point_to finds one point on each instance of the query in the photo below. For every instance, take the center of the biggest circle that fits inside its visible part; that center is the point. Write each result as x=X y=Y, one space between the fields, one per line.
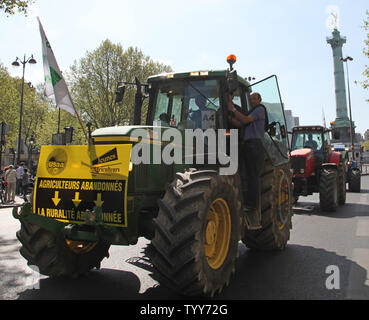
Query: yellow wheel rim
x=284 y=202
x=217 y=233
x=80 y=247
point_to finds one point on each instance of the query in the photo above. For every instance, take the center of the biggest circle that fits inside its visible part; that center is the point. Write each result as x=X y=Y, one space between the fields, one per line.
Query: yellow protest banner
x=73 y=179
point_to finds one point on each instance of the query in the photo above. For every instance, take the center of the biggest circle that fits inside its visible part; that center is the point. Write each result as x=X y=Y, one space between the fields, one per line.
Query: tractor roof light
x=231 y=59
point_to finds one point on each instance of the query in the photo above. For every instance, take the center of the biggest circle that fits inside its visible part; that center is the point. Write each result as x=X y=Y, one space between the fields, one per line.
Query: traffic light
x=120 y=94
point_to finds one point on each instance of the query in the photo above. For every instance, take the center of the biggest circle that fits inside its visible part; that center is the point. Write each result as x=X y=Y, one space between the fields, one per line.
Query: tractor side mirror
x=336 y=135
x=283 y=131
x=232 y=81
x=69 y=134
x=138 y=103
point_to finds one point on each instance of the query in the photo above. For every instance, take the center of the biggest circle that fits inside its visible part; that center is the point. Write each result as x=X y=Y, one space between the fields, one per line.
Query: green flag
x=55 y=85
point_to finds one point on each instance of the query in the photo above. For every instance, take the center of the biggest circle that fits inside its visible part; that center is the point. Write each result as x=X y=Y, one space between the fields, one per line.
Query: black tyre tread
x=355 y=182
x=341 y=184
x=270 y=237
x=328 y=186
x=52 y=256
x=176 y=251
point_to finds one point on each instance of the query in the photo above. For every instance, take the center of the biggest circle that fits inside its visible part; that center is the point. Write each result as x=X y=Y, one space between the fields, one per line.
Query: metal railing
x=364 y=168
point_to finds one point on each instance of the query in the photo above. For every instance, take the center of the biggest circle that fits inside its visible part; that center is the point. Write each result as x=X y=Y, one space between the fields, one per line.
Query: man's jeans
x=252 y=161
x=18 y=189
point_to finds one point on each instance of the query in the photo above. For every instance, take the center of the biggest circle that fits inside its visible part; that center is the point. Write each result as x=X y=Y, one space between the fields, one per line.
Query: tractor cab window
x=304 y=139
x=186 y=104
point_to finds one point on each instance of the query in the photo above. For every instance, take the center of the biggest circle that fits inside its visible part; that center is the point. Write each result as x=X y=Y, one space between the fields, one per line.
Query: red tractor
x=317 y=167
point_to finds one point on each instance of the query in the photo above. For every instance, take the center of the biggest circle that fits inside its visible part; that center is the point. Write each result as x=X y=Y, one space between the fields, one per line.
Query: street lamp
x=348 y=58
x=30 y=60
x=32 y=141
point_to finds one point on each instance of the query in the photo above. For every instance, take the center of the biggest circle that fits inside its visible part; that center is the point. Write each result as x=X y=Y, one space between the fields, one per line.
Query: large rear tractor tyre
x=55 y=256
x=276 y=210
x=328 y=190
x=355 y=181
x=197 y=233
x=341 y=185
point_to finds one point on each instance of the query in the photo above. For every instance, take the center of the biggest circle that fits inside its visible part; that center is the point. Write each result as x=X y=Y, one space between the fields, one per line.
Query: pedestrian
x=11 y=179
x=25 y=181
x=20 y=172
x=5 y=184
x=252 y=155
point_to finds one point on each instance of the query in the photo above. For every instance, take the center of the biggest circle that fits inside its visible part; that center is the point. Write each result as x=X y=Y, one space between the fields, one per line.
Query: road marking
x=362 y=257
x=358 y=280
x=362 y=228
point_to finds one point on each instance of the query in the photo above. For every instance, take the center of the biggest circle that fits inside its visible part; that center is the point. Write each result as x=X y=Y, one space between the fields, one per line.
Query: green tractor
x=117 y=188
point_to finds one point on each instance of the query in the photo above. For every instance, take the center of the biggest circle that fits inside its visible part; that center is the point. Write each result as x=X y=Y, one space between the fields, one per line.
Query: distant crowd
x=15 y=181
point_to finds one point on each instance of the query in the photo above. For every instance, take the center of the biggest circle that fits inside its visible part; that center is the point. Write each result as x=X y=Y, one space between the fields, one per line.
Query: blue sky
x=282 y=37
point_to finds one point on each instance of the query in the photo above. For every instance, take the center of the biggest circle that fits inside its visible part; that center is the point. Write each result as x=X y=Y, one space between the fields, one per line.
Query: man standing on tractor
x=252 y=155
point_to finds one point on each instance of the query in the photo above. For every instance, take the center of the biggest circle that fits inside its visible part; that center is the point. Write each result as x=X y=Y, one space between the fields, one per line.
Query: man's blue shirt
x=256 y=129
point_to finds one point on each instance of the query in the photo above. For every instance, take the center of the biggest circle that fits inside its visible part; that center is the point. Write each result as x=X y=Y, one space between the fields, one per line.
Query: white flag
x=56 y=87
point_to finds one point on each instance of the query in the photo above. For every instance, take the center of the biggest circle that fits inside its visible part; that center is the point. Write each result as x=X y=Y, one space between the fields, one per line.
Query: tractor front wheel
x=355 y=181
x=328 y=190
x=341 y=185
x=55 y=256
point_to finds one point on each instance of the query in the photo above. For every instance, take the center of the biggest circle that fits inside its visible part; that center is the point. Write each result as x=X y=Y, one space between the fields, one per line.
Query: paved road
x=339 y=242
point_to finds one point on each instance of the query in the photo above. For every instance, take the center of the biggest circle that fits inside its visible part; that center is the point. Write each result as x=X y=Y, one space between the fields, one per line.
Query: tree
x=95 y=77
x=9 y=104
x=11 y=6
x=365 y=83
x=35 y=112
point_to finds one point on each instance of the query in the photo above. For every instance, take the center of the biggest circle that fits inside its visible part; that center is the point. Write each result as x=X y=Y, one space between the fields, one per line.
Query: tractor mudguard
x=330 y=166
x=335 y=158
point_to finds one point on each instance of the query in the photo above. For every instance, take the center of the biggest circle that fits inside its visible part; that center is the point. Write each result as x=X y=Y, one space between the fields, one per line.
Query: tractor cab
x=315 y=138
x=199 y=100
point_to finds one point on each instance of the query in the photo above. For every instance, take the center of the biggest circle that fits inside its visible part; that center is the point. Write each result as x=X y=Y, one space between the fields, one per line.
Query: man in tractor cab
x=311 y=143
x=196 y=116
x=252 y=155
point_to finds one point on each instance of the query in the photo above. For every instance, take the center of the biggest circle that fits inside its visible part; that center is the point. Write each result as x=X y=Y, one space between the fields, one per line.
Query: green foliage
x=9 y=103
x=11 y=6
x=365 y=144
x=365 y=83
x=94 y=82
x=35 y=110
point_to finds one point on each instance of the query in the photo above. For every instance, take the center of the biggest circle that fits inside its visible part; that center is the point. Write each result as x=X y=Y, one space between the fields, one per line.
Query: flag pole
x=79 y=119
x=59 y=121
